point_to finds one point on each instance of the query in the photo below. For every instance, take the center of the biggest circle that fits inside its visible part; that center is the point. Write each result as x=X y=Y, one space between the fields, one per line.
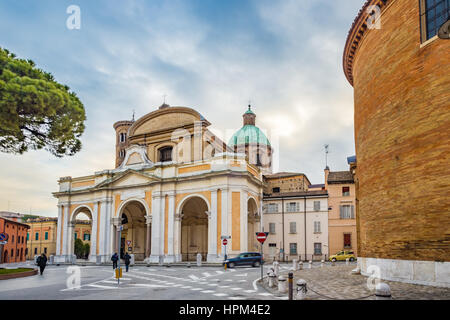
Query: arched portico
x=71 y=228
x=135 y=237
x=253 y=224
x=193 y=227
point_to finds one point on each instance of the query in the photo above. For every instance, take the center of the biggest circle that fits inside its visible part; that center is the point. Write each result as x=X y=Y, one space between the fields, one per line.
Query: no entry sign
x=261 y=236
x=225 y=242
x=3 y=237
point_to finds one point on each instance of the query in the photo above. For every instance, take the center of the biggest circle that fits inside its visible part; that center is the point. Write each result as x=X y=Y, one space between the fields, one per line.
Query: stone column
x=156 y=228
x=148 y=242
x=93 y=252
x=65 y=231
x=177 y=237
x=225 y=214
x=58 y=231
x=212 y=229
x=115 y=222
x=170 y=258
x=244 y=221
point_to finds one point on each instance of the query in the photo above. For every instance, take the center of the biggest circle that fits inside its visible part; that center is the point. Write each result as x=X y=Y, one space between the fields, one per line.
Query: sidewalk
x=26 y=264
x=337 y=283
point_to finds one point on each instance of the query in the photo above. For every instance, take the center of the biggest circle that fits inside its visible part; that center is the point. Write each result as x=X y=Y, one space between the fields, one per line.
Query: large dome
x=249 y=134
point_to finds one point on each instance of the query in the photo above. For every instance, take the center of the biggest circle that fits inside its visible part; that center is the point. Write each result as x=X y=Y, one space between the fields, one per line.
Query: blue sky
x=214 y=56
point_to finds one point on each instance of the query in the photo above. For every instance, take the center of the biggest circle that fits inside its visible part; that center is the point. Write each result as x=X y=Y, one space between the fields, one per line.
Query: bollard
x=346 y=261
x=383 y=291
x=272 y=277
x=356 y=271
x=322 y=263
x=333 y=263
x=199 y=260
x=290 y=285
x=276 y=268
x=301 y=289
x=282 y=284
x=294 y=264
x=310 y=264
x=300 y=265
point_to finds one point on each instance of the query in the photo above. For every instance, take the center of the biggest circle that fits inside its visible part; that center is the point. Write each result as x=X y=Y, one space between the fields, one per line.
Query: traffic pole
x=290 y=283
x=261 y=262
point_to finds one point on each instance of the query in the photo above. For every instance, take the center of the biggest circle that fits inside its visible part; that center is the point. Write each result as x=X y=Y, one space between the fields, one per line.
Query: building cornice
x=357 y=31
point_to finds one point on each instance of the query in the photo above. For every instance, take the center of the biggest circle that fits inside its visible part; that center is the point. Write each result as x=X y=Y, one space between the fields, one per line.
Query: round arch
x=194 y=227
x=186 y=198
x=126 y=202
x=134 y=237
x=87 y=210
x=253 y=221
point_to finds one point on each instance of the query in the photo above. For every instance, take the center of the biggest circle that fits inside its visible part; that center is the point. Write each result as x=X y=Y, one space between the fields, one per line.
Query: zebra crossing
x=232 y=284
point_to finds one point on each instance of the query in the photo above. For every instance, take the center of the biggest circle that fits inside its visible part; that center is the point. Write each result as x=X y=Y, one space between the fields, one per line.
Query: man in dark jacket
x=114 y=259
x=127 y=258
x=42 y=262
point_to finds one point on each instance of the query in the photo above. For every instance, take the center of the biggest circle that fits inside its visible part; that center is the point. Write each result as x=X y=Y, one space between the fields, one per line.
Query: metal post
x=290 y=282
x=118 y=262
x=261 y=261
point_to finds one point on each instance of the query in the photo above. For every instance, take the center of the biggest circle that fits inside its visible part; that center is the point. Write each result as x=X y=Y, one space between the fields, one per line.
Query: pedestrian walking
x=42 y=262
x=127 y=258
x=114 y=259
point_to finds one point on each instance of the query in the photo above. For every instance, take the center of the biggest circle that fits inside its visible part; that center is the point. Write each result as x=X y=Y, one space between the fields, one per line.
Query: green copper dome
x=248 y=134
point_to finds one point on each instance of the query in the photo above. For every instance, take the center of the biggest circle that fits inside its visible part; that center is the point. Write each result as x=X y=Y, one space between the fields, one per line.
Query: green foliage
x=87 y=249
x=36 y=111
x=79 y=248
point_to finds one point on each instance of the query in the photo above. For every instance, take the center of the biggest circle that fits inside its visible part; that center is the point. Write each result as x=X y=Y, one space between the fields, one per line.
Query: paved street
x=141 y=282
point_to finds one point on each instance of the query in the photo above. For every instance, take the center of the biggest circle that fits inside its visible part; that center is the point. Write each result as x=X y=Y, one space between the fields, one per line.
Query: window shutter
x=353 y=212
x=341 y=212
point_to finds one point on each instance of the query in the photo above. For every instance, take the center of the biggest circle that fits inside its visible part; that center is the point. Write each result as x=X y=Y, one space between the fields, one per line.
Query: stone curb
x=19 y=275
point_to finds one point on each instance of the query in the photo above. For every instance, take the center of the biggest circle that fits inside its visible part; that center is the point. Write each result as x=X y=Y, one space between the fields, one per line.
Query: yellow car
x=343 y=255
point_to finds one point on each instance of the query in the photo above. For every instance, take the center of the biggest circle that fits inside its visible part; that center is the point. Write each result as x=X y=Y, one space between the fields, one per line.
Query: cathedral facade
x=177 y=189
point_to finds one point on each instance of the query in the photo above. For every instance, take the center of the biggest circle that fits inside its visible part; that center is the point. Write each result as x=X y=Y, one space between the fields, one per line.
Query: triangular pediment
x=129 y=178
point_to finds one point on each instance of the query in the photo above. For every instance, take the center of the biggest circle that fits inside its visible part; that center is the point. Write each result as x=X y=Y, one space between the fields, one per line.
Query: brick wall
x=402 y=132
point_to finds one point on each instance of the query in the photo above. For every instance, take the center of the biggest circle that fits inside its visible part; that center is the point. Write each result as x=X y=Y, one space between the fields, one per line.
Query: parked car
x=247 y=258
x=343 y=255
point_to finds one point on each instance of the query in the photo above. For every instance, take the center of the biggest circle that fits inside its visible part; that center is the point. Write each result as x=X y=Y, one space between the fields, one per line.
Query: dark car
x=247 y=258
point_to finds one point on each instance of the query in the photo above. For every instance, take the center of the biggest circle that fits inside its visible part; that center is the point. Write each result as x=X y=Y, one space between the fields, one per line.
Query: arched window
x=124 y=218
x=165 y=154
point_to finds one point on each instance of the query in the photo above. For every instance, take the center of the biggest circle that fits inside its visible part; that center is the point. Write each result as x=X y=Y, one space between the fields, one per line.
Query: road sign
x=3 y=236
x=225 y=242
x=225 y=237
x=120 y=228
x=129 y=243
x=3 y=242
x=261 y=236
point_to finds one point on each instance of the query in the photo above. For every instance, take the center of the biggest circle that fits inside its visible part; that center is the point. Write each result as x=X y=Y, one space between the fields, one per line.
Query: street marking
x=242 y=280
x=193 y=277
x=99 y=286
x=266 y=294
x=242 y=275
x=220 y=294
x=236 y=298
x=213 y=284
x=249 y=291
x=224 y=286
x=219 y=272
x=229 y=280
x=206 y=274
x=148 y=285
x=208 y=291
x=236 y=289
x=186 y=287
x=196 y=289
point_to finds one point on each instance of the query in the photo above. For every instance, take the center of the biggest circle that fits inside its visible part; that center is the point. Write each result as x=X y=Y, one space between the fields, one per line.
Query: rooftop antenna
x=326 y=155
x=165 y=96
x=133 y=116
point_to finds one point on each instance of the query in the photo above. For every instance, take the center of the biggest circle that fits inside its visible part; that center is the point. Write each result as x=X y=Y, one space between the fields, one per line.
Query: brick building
x=43 y=233
x=15 y=248
x=341 y=210
x=400 y=76
x=295 y=217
